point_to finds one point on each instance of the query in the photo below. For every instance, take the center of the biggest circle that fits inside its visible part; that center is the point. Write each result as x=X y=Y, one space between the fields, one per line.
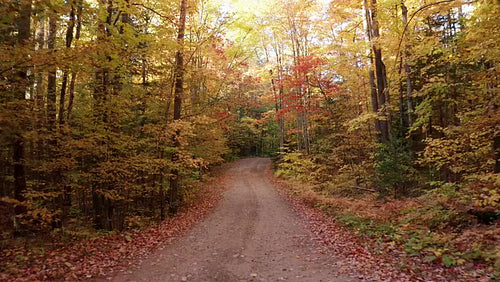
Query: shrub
x=394 y=173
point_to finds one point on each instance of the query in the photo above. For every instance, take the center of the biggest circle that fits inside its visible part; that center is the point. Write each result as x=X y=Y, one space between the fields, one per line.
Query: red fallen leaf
x=342 y=242
x=104 y=255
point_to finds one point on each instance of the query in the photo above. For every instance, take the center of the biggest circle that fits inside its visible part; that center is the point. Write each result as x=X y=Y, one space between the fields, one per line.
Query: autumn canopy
x=113 y=111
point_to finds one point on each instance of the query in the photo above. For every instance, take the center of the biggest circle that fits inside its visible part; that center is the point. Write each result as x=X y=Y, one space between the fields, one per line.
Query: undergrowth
x=438 y=227
x=20 y=253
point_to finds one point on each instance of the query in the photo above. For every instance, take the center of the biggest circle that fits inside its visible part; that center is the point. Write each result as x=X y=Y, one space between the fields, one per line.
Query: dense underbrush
x=80 y=251
x=447 y=224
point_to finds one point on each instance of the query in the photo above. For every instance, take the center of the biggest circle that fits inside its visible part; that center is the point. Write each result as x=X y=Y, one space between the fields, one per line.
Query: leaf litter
x=354 y=254
x=106 y=255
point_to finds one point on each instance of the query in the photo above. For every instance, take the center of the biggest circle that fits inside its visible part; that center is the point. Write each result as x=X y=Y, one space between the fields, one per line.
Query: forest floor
x=261 y=231
x=104 y=255
x=253 y=235
x=244 y=226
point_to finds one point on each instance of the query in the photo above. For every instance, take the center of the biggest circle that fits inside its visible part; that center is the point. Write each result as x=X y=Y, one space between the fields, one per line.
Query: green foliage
x=393 y=167
x=243 y=137
x=252 y=134
x=369 y=228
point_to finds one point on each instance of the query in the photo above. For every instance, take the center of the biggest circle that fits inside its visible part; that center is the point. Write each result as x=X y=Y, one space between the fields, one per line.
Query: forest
x=382 y=114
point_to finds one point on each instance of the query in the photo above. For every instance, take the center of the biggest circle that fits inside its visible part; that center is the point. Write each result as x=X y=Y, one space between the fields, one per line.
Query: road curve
x=253 y=235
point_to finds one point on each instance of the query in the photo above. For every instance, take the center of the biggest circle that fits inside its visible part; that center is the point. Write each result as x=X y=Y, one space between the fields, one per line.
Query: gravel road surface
x=253 y=235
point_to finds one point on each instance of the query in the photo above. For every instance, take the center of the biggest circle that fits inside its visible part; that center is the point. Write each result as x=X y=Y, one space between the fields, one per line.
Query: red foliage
x=308 y=64
x=306 y=87
x=223 y=115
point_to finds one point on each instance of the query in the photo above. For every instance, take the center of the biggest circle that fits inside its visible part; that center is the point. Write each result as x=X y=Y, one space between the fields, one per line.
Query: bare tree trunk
x=371 y=73
x=51 y=81
x=39 y=76
x=298 y=89
x=101 y=115
x=39 y=105
x=51 y=115
x=23 y=26
x=381 y=88
x=174 y=193
x=69 y=40
x=73 y=74
x=71 y=95
x=401 y=100
x=299 y=131
x=381 y=76
x=280 y=102
x=66 y=193
x=409 y=98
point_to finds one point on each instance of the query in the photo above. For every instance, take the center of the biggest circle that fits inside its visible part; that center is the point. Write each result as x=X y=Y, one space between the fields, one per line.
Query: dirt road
x=252 y=236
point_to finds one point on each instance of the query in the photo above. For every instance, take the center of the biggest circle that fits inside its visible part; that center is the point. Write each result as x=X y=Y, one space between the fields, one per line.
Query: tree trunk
x=71 y=96
x=305 y=132
x=381 y=88
x=161 y=193
x=401 y=100
x=299 y=131
x=38 y=99
x=66 y=193
x=73 y=74
x=409 y=98
x=23 y=26
x=101 y=114
x=64 y=85
x=277 y=108
x=280 y=103
x=381 y=76
x=374 y=98
x=371 y=73
x=305 y=123
x=496 y=150
x=51 y=81
x=97 y=208
x=173 y=192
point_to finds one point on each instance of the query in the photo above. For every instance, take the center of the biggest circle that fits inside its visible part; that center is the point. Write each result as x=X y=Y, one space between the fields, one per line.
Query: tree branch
x=409 y=21
x=170 y=19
